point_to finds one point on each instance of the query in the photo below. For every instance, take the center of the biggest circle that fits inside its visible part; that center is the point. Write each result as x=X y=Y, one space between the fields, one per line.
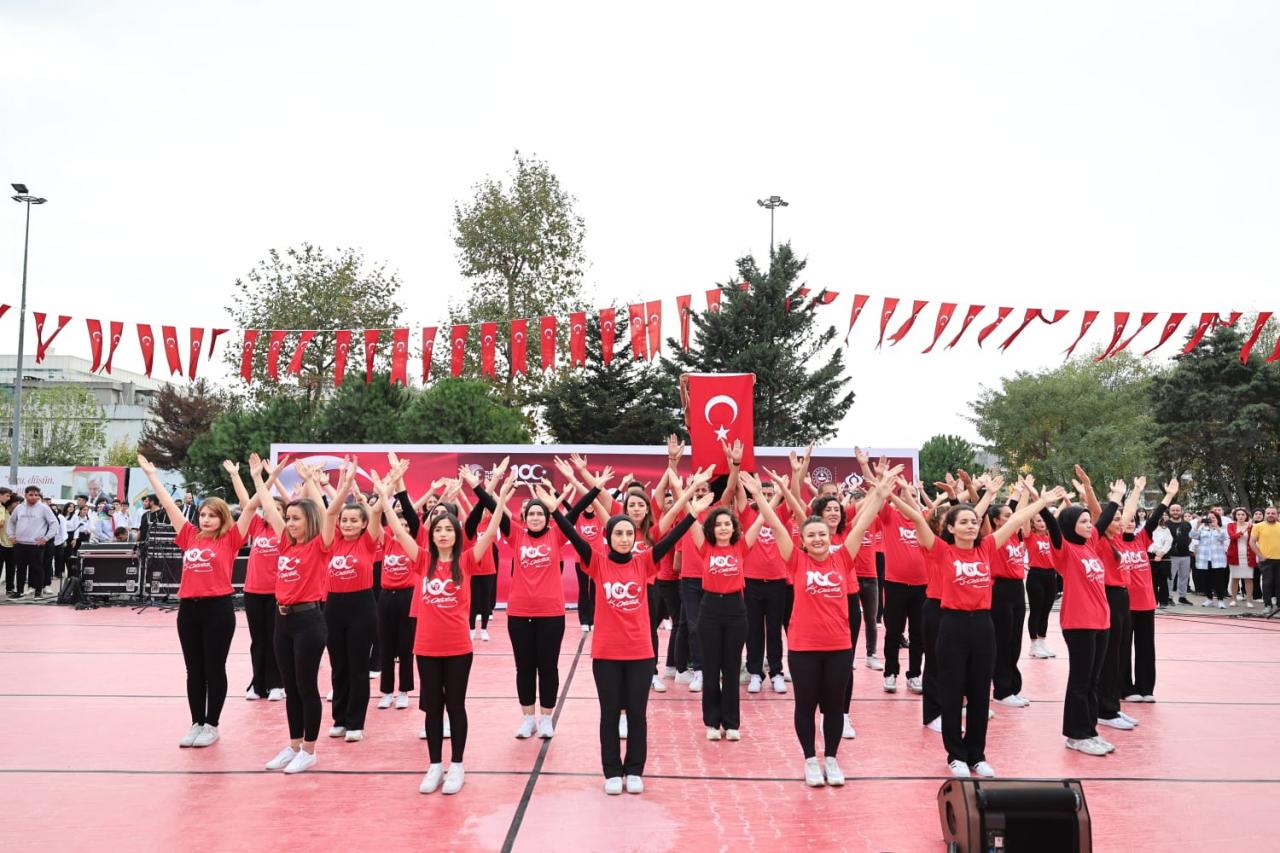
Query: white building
x=126 y=397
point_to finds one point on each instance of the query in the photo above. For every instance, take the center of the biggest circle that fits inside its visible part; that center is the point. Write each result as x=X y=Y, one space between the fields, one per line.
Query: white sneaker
x=281 y=761
x=1133 y=697
x=1232 y=602
x=695 y=683
x=432 y=780
x=1222 y=605
x=355 y=735
x=875 y=662
x=302 y=761
x=207 y=737
x=454 y=778
x=835 y=776
x=1208 y=602
x=1107 y=745
x=402 y=700
x=685 y=677
x=1130 y=720
x=1116 y=723
x=1012 y=701
x=779 y=684
x=251 y=694
x=622 y=727
x=743 y=675
x=665 y=625
x=586 y=629
x=934 y=725
x=545 y=728
x=276 y=694
x=891 y=684
x=813 y=773
x=915 y=685
x=658 y=685
x=959 y=769
x=1023 y=699
x=375 y=673
x=713 y=734
x=385 y=702
x=1148 y=698
x=732 y=734
x=635 y=785
x=484 y=635
x=527 y=727
x=189 y=739
x=985 y=770
x=328 y=697
x=613 y=785
x=1088 y=746
x=445 y=731
x=422 y=734
x=474 y=631
x=671 y=672
x=848 y=733
x=337 y=731
x=753 y=686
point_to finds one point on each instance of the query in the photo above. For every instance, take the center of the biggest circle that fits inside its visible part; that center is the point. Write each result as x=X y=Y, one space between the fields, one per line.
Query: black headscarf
x=1067 y=519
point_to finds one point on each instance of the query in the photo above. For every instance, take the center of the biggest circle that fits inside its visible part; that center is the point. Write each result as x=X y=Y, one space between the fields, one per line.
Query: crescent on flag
x=721 y=400
x=577 y=327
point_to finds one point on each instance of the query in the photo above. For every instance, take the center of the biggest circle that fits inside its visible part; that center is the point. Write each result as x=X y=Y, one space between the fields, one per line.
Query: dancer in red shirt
x=395 y=625
x=1009 y=601
x=1042 y=587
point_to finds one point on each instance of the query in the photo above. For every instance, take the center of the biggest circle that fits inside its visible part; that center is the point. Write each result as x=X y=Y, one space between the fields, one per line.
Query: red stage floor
x=92 y=707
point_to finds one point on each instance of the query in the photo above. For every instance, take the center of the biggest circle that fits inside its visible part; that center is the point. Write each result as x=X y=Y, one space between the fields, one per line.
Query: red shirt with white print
x=691 y=562
x=1010 y=560
x=621 y=630
x=442 y=607
x=536 y=589
x=820 y=615
x=397 y=568
x=1084 y=590
x=764 y=563
x=351 y=563
x=723 y=566
x=864 y=563
x=207 y=561
x=903 y=558
x=1039 y=550
x=264 y=552
x=302 y=571
x=964 y=574
x=1135 y=561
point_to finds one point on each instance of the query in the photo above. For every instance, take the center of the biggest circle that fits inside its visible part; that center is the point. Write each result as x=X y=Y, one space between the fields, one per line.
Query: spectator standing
x=1241 y=561
x=102 y=529
x=1264 y=539
x=30 y=525
x=1211 y=560
x=7 y=564
x=1179 y=554
x=190 y=511
x=1161 y=542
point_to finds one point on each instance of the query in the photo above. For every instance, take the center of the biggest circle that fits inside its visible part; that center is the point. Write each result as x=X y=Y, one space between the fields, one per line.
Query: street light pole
x=23 y=197
x=771 y=203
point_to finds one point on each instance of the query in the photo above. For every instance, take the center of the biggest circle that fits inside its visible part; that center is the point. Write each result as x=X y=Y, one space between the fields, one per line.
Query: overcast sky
x=1116 y=156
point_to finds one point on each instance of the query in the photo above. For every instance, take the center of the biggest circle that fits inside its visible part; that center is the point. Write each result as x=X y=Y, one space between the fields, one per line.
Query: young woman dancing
x=1009 y=600
x=1138 y=674
x=1042 y=587
x=395 y=625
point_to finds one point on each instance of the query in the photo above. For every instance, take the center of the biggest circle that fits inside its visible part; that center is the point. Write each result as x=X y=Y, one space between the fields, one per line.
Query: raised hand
x=230 y=467
x=579 y=461
x=861 y=456
x=468 y=476
x=1082 y=476
x=1116 y=493
x=733 y=454
x=675 y=449
x=565 y=469
x=145 y=465
x=703 y=476
x=1139 y=484
x=257 y=465
x=1054 y=495
x=1171 y=488
x=500 y=469
x=698 y=506
x=508 y=485
x=750 y=482
x=796 y=464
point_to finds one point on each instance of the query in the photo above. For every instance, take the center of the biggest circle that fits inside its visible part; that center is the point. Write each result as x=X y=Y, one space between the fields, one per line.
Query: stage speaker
x=1014 y=816
x=109 y=569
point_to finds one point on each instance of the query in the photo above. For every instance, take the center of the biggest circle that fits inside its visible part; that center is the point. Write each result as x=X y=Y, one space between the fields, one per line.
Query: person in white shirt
x=1161 y=543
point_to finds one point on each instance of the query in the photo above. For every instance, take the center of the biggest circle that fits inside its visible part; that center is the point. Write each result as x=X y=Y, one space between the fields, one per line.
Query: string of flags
x=644 y=320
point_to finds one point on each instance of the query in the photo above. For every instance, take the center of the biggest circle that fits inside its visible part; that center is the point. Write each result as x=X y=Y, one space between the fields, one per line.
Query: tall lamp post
x=771 y=203
x=22 y=197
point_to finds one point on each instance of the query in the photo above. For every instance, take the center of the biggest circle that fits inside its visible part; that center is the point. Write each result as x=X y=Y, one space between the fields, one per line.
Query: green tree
x=756 y=332
x=461 y=411
x=1217 y=419
x=1093 y=413
x=309 y=288
x=234 y=434
x=520 y=249
x=359 y=413
x=121 y=453
x=943 y=454
x=180 y=415
x=62 y=424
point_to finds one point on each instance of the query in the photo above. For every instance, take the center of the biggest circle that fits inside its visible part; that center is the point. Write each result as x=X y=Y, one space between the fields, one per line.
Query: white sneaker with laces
x=207 y=737
x=527 y=727
x=546 y=729
x=779 y=684
x=985 y=770
x=422 y=735
x=959 y=769
x=402 y=700
x=328 y=697
x=1023 y=699
x=1088 y=746
x=753 y=686
x=453 y=778
x=613 y=785
x=251 y=694
x=813 y=773
x=1222 y=605
x=671 y=672
x=1105 y=744
x=835 y=776
x=695 y=683
x=189 y=739
x=622 y=727
x=875 y=662
x=302 y=761
x=337 y=731
x=891 y=684
x=484 y=635
x=1010 y=700
x=915 y=685
x=281 y=761
x=1133 y=697
x=848 y=733
x=445 y=731
x=1130 y=720
x=431 y=781
x=1116 y=723
x=732 y=734
x=1208 y=602
x=276 y=694
x=635 y=785
x=385 y=702
x=713 y=734
x=685 y=677
x=934 y=725
x=355 y=735
x=658 y=685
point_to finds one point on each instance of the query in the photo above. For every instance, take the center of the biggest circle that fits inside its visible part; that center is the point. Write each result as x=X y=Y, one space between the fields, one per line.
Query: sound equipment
x=1013 y=816
x=239 y=569
x=162 y=560
x=109 y=568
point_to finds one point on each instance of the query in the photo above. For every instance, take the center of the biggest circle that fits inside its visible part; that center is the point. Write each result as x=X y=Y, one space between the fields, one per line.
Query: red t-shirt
x=536 y=589
x=964 y=574
x=1084 y=591
x=864 y=563
x=903 y=559
x=1039 y=551
x=207 y=562
x=1010 y=560
x=621 y=630
x=820 y=615
x=397 y=568
x=691 y=563
x=487 y=566
x=351 y=563
x=1114 y=573
x=764 y=563
x=1135 y=562
x=264 y=552
x=591 y=528
x=443 y=607
x=301 y=571
x=723 y=567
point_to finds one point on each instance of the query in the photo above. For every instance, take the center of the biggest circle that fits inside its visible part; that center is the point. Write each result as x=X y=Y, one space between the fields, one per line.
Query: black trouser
x=1042 y=591
x=375 y=653
x=260 y=613
x=855 y=624
x=1200 y=580
x=205 y=628
x=678 y=641
x=299 y=642
x=395 y=639
x=30 y=560
x=880 y=585
x=931 y=707
x=1219 y=579
x=59 y=563
x=966 y=659
x=1140 y=673
x=902 y=603
x=1160 y=578
x=818 y=680
x=47 y=564
x=535 y=641
x=788 y=602
x=623 y=685
x=722 y=622
x=690 y=600
x=869 y=596
x=1112 y=680
x=1257 y=584
x=484 y=595
x=1087 y=648
x=586 y=598
x=8 y=566
x=444 y=688
x=352 y=621
x=1270 y=572
x=655 y=616
x=764 y=625
x=1008 y=609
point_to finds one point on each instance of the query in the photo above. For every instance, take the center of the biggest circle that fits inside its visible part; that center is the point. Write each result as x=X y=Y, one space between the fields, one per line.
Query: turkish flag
x=1232 y=318
x=148 y=345
x=1170 y=326
x=713 y=300
x=1085 y=325
x=635 y=320
x=171 y=349
x=991 y=327
x=273 y=353
x=295 y=363
x=886 y=312
x=969 y=317
x=341 y=348
x=213 y=340
x=1147 y=317
x=41 y=344
x=682 y=308
x=916 y=307
x=488 y=341
x=196 y=343
x=400 y=356
x=1202 y=329
x=719 y=408
x=95 y=342
x=370 y=351
x=606 y=333
x=946 y=311
x=653 y=324
x=246 y=354
x=1119 y=322
x=458 y=348
x=519 y=346
x=117 y=330
x=577 y=338
x=428 y=346
x=1263 y=317
x=1031 y=315
x=547 y=340
x=859 y=302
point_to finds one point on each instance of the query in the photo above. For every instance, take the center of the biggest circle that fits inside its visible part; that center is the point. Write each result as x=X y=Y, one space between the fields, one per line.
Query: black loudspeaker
x=1014 y=816
x=109 y=569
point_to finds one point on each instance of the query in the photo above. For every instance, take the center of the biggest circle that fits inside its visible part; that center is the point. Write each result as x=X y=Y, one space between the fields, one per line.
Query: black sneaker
x=1184 y=601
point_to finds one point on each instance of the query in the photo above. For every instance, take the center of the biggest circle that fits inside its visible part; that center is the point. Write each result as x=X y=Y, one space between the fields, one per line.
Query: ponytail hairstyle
x=455 y=571
x=820 y=504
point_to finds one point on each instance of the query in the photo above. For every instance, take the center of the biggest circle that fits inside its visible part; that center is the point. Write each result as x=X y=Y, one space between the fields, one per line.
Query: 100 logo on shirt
x=622 y=596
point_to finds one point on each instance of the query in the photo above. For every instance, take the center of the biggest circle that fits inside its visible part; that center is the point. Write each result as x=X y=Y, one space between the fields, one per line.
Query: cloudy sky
x=1082 y=155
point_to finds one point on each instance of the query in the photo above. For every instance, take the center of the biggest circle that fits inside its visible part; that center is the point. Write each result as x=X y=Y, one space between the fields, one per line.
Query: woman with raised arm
x=395 y=625
x=820 y=654
x=621 y=650
x=1042 y=587
x=962 y=558
x=206 y=614
x=306 y=532
x=1009 y=599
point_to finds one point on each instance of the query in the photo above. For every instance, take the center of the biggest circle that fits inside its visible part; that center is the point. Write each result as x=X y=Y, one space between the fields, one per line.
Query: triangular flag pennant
x=635 y=321
x=1147 y=317
x=1170 y=326
x=341 y=349
x=1202 y=329
x=196 y=343
x=607 y=330
x=682 y=308
x=1031 y=315
x=457 y=348
x=95 y=343
x=916 y=307
x=370 y=351
x=519 y=347
x=859 y=302
x=886 y=312
x=400 y=356
x=274 y=347
x=969 y=317
x=42 y=345
x=946 y=311
x=295 y=363
x=713 y=300
x=653 y=325
x=246 y=354
x=547 y=340
x=428 y=346
x=488 y=346
x=213 y=341
x=1263 y=317
x=1085 y=324
x=171 y=350
x=1119 y=322
x=117 y=330
x=991 y=327
x=148 y=345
